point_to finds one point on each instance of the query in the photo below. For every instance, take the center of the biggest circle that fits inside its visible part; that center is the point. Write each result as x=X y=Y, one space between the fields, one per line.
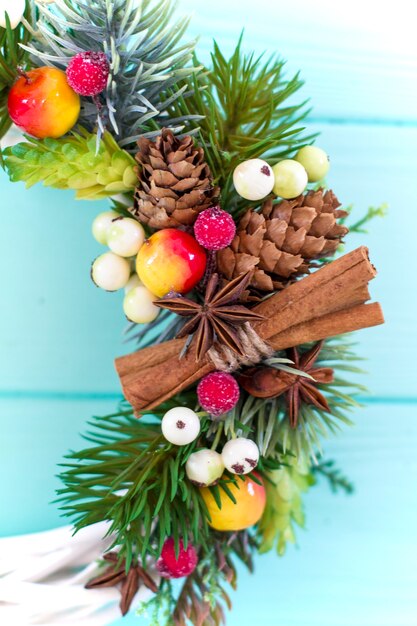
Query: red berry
x=214 y=229
x=87 y=73
x=170 y=567
x=218 y=393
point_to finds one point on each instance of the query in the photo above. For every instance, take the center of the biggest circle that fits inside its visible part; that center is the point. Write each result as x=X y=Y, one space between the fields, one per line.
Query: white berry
x=204 y=467
x=134 y=281
x=15 y=10
x=139 y=307
x=240 y=456
x=253 y=179
x=315 y=161
x=126 y=236
x=101 y=226
x=110 y=272
x=290 y=179
x=180 y=426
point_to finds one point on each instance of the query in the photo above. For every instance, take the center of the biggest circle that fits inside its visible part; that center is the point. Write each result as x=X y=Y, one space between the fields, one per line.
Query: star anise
x=268 y=382
x=217 y=317
x=129 y=582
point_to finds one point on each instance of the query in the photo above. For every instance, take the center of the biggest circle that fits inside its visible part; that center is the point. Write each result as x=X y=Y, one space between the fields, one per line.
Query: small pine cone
x=175 y=182
x=281 y=241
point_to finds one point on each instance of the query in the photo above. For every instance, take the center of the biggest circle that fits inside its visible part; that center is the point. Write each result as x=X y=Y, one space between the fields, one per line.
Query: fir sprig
x=241 y=108
x=371 y=214
x=337 y=480
x=133 y=478
x=204 y=596
x=147 y=59
x=267 y=420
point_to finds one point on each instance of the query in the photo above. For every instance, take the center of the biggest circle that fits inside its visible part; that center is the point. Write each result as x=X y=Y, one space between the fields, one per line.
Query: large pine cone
x=175 y=182
x=281 y=241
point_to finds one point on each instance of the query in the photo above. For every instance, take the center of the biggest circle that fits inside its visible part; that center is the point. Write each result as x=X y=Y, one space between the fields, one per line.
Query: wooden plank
x=359 y=62
x=36 y=434
x=58 y=331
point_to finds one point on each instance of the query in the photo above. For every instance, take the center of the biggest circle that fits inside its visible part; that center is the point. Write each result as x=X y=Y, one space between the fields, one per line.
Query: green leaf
x=72 y=163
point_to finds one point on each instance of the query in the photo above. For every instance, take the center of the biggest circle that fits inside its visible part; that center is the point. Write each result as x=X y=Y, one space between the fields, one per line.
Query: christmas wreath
x=229 y=246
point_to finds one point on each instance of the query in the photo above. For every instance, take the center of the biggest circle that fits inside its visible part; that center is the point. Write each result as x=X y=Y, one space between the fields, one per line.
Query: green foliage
x=284 y=507
x=143 y=43
x=73 y=162
x=242 y=107
x=267 y=420
x=337 y=480
x=135 y=479
x=11 y=57
x=203 y=596
x=371 y=214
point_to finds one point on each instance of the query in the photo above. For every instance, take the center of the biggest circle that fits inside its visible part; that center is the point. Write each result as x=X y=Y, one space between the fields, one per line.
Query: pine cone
x=175 y=182
x=281 y=241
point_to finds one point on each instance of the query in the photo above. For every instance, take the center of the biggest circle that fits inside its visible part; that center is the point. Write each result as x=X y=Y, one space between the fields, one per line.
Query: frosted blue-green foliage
x=147 y=57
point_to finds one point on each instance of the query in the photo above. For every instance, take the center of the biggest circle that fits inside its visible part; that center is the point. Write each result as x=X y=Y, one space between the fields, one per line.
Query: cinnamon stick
x=329 y=289
x=329 y=302
x=331 y=325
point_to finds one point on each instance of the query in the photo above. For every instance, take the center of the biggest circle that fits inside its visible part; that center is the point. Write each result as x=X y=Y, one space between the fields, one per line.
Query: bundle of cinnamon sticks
x=324 y=304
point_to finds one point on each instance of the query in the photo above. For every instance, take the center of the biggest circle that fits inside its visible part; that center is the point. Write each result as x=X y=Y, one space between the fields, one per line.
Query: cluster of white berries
x=255 y=179
x=181 y=426
x=115 y=270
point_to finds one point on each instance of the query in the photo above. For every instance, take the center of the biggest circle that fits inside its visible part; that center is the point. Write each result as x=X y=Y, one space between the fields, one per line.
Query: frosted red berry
x=218 y=393
x=214 y=229
x=171 y=567
x=87 y=73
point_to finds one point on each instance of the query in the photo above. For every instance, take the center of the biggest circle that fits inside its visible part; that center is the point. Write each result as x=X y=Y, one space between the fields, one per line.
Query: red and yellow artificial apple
x=248 y=510
x=171 y=260
x=42 y=103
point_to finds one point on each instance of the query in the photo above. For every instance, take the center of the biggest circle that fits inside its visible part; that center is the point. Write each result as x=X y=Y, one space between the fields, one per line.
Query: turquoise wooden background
x=58 y=334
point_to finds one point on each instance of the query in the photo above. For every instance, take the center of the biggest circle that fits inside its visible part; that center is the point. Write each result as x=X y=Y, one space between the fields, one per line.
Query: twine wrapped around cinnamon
x=226 y=360
x=327 y=303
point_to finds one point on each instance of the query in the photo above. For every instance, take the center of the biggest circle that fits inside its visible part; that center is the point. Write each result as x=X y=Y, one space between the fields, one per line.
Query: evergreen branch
x=239 y=106
x=135 y=479
x=74 y=162
x=147 y=59
x=372 y=213
x=266 y=420
x=337 y=480
x=203 y=597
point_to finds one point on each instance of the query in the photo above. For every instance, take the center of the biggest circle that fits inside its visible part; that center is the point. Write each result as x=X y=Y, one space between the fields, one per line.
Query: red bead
x=218 y=393
x=170 y=567
x=214 y=229
x=87 y=73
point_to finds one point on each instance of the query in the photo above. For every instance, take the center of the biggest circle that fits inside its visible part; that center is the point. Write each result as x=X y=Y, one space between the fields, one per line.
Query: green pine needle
x=371 y=214
x=133 y=478
x=204 y=594
x=240 y=107
x=266 y=420
x=335 y=477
